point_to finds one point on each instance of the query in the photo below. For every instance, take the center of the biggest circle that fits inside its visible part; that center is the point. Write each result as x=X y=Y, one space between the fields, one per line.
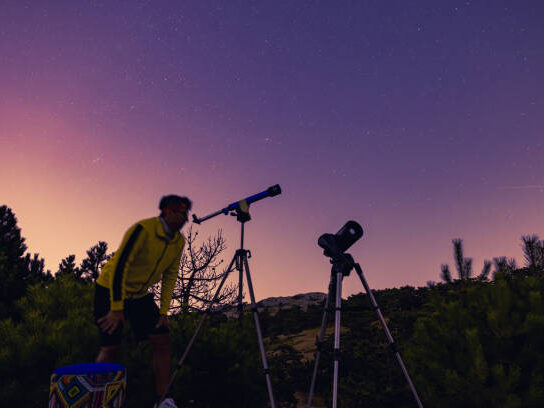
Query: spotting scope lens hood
x=350 y=233
x=337 y=244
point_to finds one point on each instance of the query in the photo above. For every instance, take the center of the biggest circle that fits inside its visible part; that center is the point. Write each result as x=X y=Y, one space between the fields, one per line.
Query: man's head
x=175 y=210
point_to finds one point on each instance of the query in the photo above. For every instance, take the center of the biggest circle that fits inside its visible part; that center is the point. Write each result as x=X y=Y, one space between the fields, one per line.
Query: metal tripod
x=239 y=260
x=341 y=267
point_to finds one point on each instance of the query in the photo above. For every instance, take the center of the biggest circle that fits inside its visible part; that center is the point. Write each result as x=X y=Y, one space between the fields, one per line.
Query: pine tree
x=482 y=346
x=504 y=266
x=55 y=329
x=97 y=255
x=12 y=244
x=533 y=250
x=16 y=270
x=463 y=266
x=68 y=267
x=36 y=270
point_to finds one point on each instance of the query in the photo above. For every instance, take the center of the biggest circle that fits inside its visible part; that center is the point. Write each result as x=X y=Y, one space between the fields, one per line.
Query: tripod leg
x=195 y=334
x=259 y=335
x=336 y=356
x=320 y=338
x=388 y=334
x=240 y=267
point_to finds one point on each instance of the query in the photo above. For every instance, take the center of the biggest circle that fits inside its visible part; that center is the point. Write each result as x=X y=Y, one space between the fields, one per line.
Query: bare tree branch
x=200 y=275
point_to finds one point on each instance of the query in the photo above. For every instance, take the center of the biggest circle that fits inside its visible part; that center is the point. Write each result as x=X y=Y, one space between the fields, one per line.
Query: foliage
x=504 y=266
x=56 y=328
x=223 y=367
x=12 y=243
x=17 y=271
x=481 y=346
x=533 y=250
x=89 y=268
x=68 y=266
x=97 y=256
x=467 y=342
x=369 y=373
x=463 y=265
x=290 y=320
x=288 y=373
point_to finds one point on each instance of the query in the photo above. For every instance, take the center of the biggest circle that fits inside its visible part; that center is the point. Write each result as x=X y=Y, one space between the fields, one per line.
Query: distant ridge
x=302 y=300
x=274 y=304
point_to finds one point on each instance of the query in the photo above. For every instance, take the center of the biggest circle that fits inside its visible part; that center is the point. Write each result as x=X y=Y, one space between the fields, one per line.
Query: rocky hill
x=302 y=300
x=274 y=304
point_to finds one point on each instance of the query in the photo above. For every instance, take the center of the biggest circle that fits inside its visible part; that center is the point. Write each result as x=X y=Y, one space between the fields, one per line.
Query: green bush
x=482 y=346
x=56 y=328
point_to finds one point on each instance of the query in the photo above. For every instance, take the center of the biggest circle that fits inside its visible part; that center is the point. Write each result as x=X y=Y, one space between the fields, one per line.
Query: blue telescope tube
x=269 y=192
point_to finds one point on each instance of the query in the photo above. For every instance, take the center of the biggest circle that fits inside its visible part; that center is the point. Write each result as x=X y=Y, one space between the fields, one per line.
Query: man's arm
x=169 y=279
x=123 y=258
x=132 y=243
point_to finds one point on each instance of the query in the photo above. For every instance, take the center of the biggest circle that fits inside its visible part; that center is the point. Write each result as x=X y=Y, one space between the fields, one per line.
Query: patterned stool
x=90 y=385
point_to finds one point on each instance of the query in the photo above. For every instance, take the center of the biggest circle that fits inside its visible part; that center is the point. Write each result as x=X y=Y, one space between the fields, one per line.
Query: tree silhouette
x=504 y=266
x=16 y=270
x=35 y=267
x=68 y=267
x=483 y=348
x=463 y=265
x=533 y=250
x=12 y=244
x=199 y=275
x=97 y=256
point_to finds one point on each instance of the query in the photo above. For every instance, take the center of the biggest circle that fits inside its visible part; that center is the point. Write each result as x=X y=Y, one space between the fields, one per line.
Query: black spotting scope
x=242 y=204
x=335 y=245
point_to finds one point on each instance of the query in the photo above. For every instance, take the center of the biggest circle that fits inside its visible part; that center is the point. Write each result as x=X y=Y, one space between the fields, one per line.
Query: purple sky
x=421 y=120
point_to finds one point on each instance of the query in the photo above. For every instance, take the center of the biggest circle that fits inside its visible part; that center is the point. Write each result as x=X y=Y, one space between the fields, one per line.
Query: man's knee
x=107 y=354
x=160 y=342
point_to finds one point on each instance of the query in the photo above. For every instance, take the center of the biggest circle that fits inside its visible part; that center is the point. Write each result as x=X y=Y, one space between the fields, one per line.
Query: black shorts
x=142 y=313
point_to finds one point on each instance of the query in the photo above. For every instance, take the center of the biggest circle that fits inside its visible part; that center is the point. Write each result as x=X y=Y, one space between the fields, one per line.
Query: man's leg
x=110 y=343
x=107 y=354
x=161 y=360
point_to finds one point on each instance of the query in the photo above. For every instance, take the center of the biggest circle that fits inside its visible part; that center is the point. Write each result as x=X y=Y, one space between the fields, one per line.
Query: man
x=150 y=252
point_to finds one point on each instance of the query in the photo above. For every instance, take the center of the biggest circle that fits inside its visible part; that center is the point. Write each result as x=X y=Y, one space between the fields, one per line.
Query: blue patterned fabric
x=90 y=385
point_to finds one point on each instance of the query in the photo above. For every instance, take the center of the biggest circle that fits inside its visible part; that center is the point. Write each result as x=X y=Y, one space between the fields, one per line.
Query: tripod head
x=344 y=264
x=242 y=212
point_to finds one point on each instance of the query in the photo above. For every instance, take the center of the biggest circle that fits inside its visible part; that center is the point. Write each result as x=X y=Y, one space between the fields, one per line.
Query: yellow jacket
x=145 y=256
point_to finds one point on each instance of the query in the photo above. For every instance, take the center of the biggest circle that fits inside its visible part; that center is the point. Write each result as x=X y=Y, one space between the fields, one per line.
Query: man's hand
x=110 y=322
x=163 y=321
